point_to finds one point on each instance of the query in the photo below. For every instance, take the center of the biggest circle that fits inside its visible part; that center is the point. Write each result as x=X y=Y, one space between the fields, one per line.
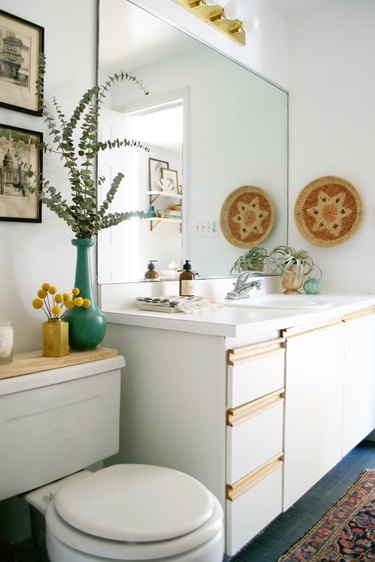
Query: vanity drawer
x=254 y=434
x=254 y=371
x=252 y=503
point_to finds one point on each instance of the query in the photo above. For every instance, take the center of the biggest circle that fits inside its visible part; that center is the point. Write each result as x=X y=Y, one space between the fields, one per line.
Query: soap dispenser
x=151 y=274
x=187 y=281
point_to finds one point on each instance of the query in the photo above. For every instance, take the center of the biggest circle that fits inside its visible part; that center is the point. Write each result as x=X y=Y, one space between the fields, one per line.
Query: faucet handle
x=243 y=276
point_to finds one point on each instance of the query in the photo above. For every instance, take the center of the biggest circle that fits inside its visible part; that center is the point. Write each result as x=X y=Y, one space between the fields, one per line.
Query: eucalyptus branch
x=78 y=156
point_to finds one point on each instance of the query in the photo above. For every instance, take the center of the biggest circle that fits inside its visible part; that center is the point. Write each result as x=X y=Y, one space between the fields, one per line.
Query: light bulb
x=232 y=10
x=250 y=23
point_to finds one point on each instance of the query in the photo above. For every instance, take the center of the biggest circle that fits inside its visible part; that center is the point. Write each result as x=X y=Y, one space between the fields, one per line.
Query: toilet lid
x=132 y=502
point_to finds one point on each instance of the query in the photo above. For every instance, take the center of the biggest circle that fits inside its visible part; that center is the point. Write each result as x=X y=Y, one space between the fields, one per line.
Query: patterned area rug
x=346 y=532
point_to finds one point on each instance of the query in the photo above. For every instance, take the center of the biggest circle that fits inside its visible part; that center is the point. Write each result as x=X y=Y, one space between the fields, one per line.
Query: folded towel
x=192 y=304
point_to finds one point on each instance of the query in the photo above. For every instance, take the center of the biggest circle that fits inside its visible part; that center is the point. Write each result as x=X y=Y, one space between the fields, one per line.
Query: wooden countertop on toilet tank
x=34 y=362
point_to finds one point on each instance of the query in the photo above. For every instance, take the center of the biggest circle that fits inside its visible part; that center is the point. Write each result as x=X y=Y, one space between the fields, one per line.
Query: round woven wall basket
x=247 y=216
x=328 y=211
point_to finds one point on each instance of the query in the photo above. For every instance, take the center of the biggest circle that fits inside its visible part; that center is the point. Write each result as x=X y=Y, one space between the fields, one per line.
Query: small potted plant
x=293 y=265
x=253 y=260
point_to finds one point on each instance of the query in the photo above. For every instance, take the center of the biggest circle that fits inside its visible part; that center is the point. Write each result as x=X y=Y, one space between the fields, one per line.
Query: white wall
x=32 y=253
x=332 y=128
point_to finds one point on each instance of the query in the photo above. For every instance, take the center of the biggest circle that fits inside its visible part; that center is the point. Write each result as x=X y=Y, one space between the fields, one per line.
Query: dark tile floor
x=269 y=545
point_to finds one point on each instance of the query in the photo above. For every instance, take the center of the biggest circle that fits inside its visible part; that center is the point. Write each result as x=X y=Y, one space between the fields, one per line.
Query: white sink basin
x=282 y=302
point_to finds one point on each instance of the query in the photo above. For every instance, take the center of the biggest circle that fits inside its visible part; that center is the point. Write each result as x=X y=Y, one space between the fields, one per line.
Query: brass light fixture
x=224 y=19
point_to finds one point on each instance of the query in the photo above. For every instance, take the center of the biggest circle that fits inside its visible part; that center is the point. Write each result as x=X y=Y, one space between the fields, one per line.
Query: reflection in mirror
x=125 y=251
x=213 y=126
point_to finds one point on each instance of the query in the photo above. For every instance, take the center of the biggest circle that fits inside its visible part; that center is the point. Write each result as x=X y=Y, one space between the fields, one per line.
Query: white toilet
x=55 y=424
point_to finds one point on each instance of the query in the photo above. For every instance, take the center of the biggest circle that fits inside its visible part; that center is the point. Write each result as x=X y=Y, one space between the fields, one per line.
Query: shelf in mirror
x=155 y=194
x=154 y=221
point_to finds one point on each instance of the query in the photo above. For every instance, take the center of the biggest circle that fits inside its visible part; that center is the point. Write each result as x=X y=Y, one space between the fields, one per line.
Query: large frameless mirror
x=212 y=126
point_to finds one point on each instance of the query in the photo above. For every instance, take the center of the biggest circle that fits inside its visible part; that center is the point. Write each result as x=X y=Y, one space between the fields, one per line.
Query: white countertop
x=240 y=322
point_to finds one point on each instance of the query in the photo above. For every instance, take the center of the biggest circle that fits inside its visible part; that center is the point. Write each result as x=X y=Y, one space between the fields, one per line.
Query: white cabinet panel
x=359 y=384
x=255 y=371
x=249 y=513
x=313 y=408
x=255 y=435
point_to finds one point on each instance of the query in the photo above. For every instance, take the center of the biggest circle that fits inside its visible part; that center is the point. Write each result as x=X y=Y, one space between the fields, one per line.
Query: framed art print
x=169 y=180
x=21 y=43
x=16 y=202
x=155 y=173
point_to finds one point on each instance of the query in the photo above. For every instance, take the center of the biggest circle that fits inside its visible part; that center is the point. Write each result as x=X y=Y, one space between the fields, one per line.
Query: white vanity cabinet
x=257 y=405
x=254 y=439
x=315 y=361
x=359 y=384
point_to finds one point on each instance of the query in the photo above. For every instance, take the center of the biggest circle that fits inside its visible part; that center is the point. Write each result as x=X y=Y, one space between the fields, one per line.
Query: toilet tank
x=56 y=422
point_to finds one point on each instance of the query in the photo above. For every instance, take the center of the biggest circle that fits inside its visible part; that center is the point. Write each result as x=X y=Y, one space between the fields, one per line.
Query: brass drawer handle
x=241 y=354
x=236 y=490
x=242 y=413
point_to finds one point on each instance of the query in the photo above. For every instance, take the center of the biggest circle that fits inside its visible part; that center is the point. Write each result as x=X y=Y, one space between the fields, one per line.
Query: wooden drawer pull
x=300 y=330
x=241 y=354
x=242 y=413
x=241 y=486
x=359 y=314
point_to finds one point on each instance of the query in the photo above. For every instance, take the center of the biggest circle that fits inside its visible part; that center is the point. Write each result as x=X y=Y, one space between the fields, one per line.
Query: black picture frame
x=16 y=203
x=21 y=43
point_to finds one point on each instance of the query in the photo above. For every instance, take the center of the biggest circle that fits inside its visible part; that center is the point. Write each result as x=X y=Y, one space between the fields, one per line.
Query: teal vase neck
x=83 y=268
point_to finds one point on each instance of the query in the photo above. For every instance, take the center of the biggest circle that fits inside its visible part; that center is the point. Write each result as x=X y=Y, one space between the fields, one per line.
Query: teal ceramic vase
x=312 y=286
x=87 y=326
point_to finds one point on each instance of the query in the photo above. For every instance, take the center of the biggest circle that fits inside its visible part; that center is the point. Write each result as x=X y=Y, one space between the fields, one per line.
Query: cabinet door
x=359 y=386
x=313 y=406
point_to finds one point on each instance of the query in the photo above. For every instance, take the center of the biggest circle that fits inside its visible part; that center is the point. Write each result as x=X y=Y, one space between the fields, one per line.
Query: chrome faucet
x=246 y=280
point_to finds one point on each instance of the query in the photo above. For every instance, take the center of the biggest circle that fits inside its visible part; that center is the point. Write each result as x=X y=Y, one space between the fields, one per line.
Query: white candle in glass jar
x=6 y=342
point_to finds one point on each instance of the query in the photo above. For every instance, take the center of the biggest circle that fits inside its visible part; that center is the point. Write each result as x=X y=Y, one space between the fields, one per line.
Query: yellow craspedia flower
x=66 y=297
x=76 y=291
x=86 y=303
x=38 y=303
x=52 y=290
x=69 y=303
x=59 y=298
x=56 y=310
x=78 y=301
x=42 y=293
x=45 y=286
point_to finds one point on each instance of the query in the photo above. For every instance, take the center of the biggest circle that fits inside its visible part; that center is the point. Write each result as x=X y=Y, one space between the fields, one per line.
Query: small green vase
x=87 y=326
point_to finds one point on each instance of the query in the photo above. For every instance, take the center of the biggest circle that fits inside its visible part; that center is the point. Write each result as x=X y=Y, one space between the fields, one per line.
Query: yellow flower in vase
x=55 y=305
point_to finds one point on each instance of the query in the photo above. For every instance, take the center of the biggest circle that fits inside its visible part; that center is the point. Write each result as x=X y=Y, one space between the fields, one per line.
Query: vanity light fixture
x=225 y=19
